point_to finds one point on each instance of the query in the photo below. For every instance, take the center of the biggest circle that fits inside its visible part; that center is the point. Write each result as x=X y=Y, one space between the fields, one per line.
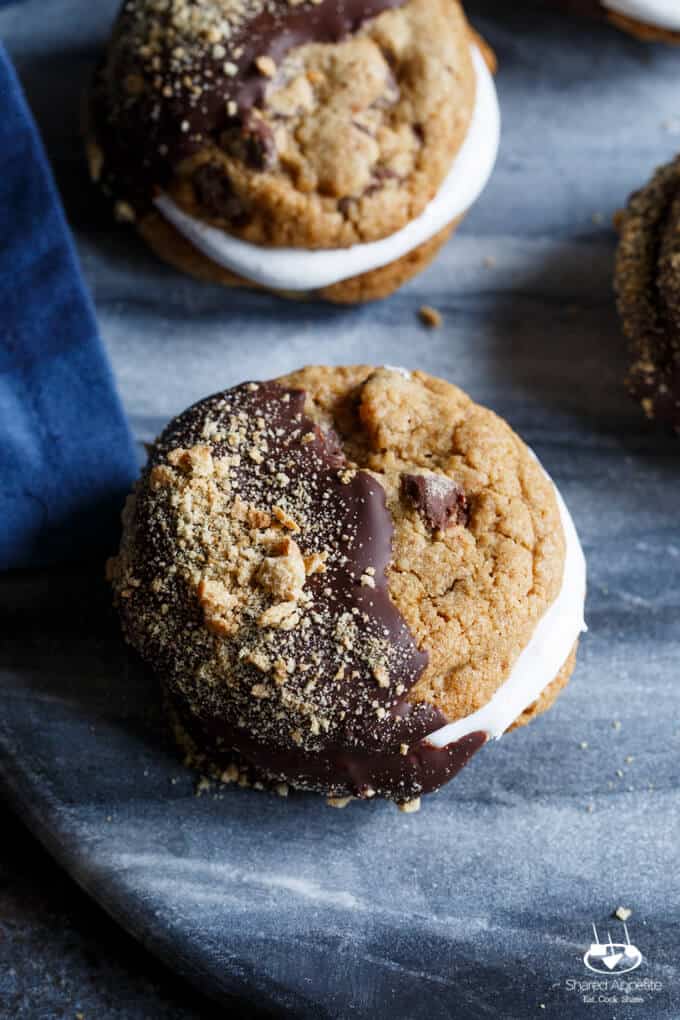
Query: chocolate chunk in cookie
x=214 y=191
x=439 y=500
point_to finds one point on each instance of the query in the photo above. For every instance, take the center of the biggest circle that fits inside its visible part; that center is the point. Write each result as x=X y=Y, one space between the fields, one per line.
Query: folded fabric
x=66 y=454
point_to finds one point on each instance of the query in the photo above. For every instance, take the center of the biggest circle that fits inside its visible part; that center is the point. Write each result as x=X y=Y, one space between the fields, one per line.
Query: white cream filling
x=543 y=657
x=297 y=269
x=662 y=13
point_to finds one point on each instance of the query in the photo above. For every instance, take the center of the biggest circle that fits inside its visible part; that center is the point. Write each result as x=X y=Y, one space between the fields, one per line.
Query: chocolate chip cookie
x=234 y=132
x=347 y=580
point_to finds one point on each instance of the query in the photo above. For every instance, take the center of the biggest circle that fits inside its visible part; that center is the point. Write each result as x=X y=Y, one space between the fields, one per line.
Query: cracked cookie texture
x=325 y=568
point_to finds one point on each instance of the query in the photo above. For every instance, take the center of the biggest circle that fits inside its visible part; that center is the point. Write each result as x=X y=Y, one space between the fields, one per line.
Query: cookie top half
x=344 y=557
x=319 y=123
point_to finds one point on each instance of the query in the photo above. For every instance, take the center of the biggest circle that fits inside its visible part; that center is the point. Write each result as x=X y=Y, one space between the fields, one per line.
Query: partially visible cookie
x=648 y=20
x=330 y=570
x=647 y=284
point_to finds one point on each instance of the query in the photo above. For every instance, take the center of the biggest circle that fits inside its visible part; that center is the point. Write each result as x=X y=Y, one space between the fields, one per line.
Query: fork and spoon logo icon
x=612 y=957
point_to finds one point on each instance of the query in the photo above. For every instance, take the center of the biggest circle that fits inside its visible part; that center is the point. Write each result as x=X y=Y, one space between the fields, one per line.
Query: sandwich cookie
x=348 y=580
x=311 y=148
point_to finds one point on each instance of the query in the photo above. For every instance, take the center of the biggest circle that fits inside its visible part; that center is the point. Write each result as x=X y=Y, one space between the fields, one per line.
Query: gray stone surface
x=480 y=905
x=61 y=955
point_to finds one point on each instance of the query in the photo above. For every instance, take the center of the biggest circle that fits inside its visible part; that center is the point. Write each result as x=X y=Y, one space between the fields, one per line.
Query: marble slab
x=482 y=904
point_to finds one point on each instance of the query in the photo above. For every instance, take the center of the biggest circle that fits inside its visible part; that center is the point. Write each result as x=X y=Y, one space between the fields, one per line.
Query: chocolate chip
x=345 y=205
x=252 y=142
x=261 y=145
x=381 y=174
x=440 y=501
x=332 y=447
x=215 y=194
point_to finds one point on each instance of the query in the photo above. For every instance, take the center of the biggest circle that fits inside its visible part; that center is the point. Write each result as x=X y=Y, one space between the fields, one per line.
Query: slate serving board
x=480 y=905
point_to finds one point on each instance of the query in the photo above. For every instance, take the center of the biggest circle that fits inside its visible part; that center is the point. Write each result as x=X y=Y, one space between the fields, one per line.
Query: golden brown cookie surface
x=325 y=569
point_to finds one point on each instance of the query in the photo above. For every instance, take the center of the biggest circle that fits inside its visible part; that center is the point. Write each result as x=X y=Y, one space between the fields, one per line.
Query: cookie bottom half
x=170 y=246
x=388 y=775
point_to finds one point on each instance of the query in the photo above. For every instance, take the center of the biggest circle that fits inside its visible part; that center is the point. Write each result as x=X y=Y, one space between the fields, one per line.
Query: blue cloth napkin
x=66 y=454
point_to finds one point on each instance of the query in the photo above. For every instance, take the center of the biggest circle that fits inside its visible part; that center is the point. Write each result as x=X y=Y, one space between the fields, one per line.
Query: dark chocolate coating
x=347 y=516
x=337 y=772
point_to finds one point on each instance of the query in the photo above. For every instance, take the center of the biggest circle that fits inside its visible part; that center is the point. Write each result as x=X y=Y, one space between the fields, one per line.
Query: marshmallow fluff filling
x=661 y=13
x=296 y=269
x=542 y=659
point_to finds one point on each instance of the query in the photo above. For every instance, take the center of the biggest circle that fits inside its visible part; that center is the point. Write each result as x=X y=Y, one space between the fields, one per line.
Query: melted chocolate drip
x=401 y=777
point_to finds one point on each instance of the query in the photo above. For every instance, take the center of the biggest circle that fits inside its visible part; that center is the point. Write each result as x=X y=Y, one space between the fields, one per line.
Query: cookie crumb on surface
x=409 y=806
x=430 y=317
x=623 y=913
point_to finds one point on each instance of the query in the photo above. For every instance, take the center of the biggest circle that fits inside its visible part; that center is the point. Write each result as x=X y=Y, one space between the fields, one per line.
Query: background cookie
x=309 y=127
x=648 y=291
x=648 y=20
